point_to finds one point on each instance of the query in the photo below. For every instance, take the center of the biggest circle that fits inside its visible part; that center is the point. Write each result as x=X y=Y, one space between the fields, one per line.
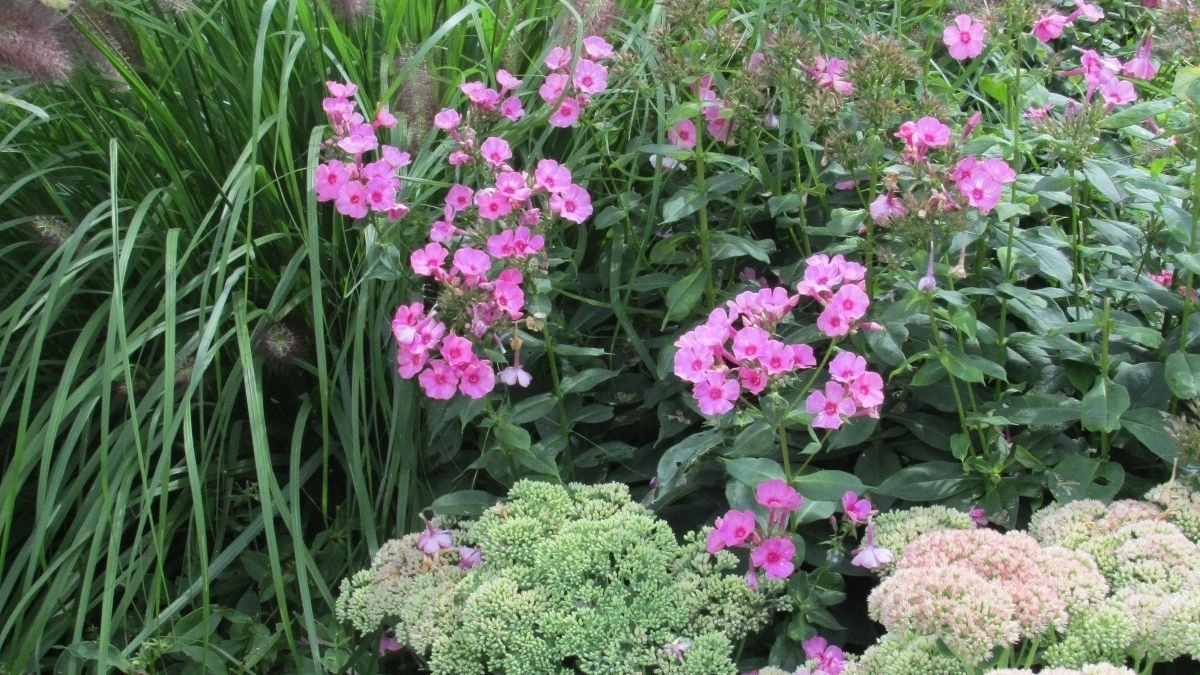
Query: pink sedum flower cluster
x=570 y=86
x=772 y=550
x=355 y=185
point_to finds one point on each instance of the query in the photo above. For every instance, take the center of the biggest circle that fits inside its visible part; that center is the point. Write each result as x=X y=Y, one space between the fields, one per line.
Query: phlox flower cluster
x=852 y=390
x=734 y=350
x=484 y=253
x=488 y=100
x=981 y=181
x=355 y=185
x=719 y=117
x=821 y=657
x=828 y=74
x=1100 y=74
x=772 y=549
x=570 y=85
x=1050 y=26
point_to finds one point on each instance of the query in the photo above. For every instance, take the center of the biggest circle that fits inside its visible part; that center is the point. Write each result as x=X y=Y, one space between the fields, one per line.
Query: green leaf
x=927 y=482
x=1187 y=84
x=683 y=204
x=828 y=485
x=1038 y=409
x=1099 y=179
x=960 y=365
x=512 y=436
x=682 y=111
x=1183 y=375
x=586 y=380
x=813 y=511
x=753 y=470
x=683 y=295
x=1078 y=477
x=755 y=440
x=727 y=245
x=1101 y=408
x=470 y=503
x=680 y=458
x=1149 y=427
x=538 y=458
x=856 y=430
x=784 y=203
x=1135 y=114
x=532 y=408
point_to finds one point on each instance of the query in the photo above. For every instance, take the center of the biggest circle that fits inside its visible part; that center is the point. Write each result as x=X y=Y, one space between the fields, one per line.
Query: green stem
x=783 y=448
x=710 y=292
x=1188 y=285
x=564 y=427
x=937 y=341
x=1105 y=331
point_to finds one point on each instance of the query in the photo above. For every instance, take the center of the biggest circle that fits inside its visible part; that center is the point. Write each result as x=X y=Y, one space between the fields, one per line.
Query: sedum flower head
x=893 y=655
x=1102 y=632
x=1151 y=555
x=1181 y=505
x=895 y=530
x=1072 y=524
x=971 y=615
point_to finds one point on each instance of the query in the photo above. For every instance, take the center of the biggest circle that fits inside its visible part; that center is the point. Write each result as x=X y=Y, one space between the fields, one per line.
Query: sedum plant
x=559 y=579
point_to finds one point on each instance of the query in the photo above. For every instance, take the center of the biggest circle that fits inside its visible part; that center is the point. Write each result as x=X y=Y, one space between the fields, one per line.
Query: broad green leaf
x=727 y=245
x=680 y=458
x=827 y=486
x=1101 y=408
x=532 y=408
x=538 y=458
x=784 y=203
x=1187 y=84
x=930 y=481
x=511 y=436
x=1078 y=477
x=753 y=470
x=1183 y=375
x=1149 y=427
x=470 y=503
x=683 y=295
x=813 y=511
x=755 y=440
x=1100 y=180
x=960 y=365
x=683 y=111
x=683 y=204
x=856 y=430
x=1137 y=113
x=586 y=380
x=1038 y=409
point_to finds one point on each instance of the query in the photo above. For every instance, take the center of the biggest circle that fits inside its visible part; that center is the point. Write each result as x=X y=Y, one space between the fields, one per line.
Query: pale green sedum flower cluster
x=572 y=579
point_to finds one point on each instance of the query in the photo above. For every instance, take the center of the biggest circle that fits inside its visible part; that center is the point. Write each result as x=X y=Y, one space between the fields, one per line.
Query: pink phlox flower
x=515 y=375
x=339 y=90
x=734 y=529
x=469 y=557
x=981 y=190
x=384 y=119
x=847 y=367
x=928 y=283
x=492 y=205
x=972 y=122
x=755 y=62
x=1140 y=67
x=1049 y=27
x=429 y=334
x=573 y=204
x=886 y=208
x=777 y=358
x=803 y=357
x=443 y=231
x=848 y=304
x=478 y=379
x=352 y=200
x=397 y=211
x=458 y=158
x=930 y=133
x=340 y=113
x=531 y=217
x=447 y=120
x=551 y=176
x=459 y=198
x=495 y=151
x=752 y=380
x=566 y=114
x=693 y=363
x=457 y=351
x=481 y=95
x=509 y=298
x=716 y=394
x=683 y=134
x=381 y=193
x=506 y=81
x=396 y=158
x=410 y=363
x=964 y=39
x=780 y=499
x=558 y=58
x=828 y=74
x=867 y=391
x=775 y=556
x=553 y=87
x=1037 y=113
x=433 y=540
x=526 y=242
x=511 y=108
x=425 y=260
x=870 y=556
x=830 y=658
x=749 y=343
x=720 y=128
x=752 y=581
x=330 y=178
x=404 y=325
x=512 y=184
x=1086 y=10
x=590 y=77
x=979 y=516
x=361 y=139
x=597 y=48
x=821 y=275
x=857 y=510
x=1117 y=92
x=380 y=169
x=770 y=119
x=471 y=262
x=388 y=643
x=829 y=406
x=501 y=245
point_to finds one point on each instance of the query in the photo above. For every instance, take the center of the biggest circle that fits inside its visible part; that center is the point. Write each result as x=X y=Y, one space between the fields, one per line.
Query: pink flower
x=1049 y=27
x=830 y=658
x=471 y=262
x=558 y=58
x=1088 y=11
x=867 y=390
x=693 y=364
x=779 y=498
x=749 y=343
x=870 y=556
x=511 y=108
x=803 y=357
x=433 y=540
x=388 y=643
x=1140 y=67
x=720 y=128
x=552 y=89
x=395 y=157
x=829 y=407
x=484 y=97
x=469 y=557
x=979 y=516
x=566 y=114
x=440 y=383
x=458 y=158
x=551 y=176
x=492 y=205
x=597 y=48
x=459 y=197
x=515 y=375
x=887 y=208
x=857 y=510
x=752 y=380
x=828 y=74
x=457 y=350
x=777 y=358
x=361 y=139
x=509 y=298
x=447 y=120
x=775 y=556
x=352 y=200
x=329 y=180
x=339 y=90
x=426 y=260
x=573 y=204
x=981 y=191
x=381 y=193
x=683 y=134
x=495 y=151
x=1117 y=92
x=732 y=530
x=590 y=77
x=715 y=394
x=478 y=379
x=512 y=185
x=847 y=367
x=964 y=38
x=506 y=81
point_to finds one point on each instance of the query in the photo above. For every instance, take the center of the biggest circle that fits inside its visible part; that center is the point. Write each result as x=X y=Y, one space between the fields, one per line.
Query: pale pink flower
x=981 y=191
x=492 y=205
x=573 y=204
x=1086 y=10
x=1140 y=67
x=471 y=262
x=683 y=134
x=829 y=406
x=847 y=367
x=558 y=58
x=779 y=498
x=964 y=38
x=1117 y=92
x=551 y=176
x=509 y=298
x=457 y=351
x=511 y=108
x=458 y=158
x=469 y=557
x=693 y=363
x=459 y=197
x=554 y=86
x=395 y=157
x=506 y=81
x=749 y=343
x=775 y=556
x=858 y=511
x=339 y=90
x=867 y=391
x=597 y=48
x=512 y=185
x=352 y=200
x=439 y=382
x=870 y=556
x=1049 y=27
x=478 y=379
x=425 y=260
x=433 y=540
x=590 y=77
x=752 y=380
x=777 y=358
x=830 y=658
x=329 y=180
x=495 y=151
x=716 y=394
x=566 y=114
